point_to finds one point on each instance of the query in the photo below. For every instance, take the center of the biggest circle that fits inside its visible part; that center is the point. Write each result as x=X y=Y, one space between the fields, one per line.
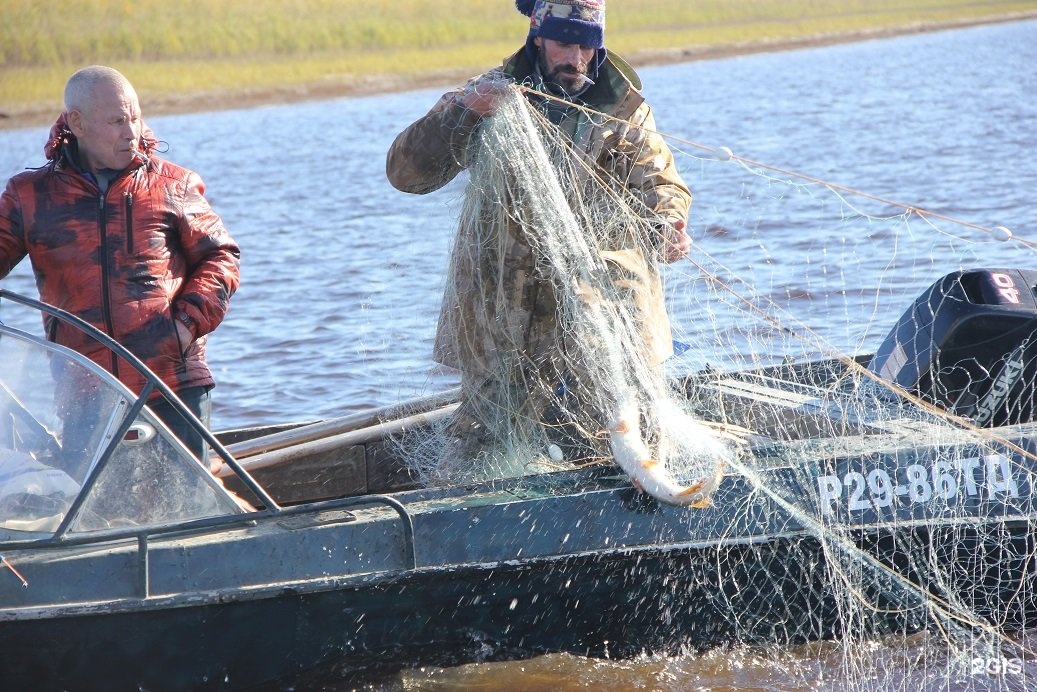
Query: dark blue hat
x=570 y=21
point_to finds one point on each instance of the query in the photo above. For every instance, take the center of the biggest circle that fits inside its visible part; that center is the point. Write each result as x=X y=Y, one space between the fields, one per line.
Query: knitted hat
x=570 y=21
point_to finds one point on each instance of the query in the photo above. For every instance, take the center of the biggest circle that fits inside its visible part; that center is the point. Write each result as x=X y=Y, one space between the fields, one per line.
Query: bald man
x=124 y=240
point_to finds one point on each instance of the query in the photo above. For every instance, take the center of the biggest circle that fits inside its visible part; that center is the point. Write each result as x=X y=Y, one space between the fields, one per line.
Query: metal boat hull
x=663 y=597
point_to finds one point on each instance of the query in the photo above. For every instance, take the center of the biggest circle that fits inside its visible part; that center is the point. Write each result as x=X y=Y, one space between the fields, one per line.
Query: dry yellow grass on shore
x=199 y=54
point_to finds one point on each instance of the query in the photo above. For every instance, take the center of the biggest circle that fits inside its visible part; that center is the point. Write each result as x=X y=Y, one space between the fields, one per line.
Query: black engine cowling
x=968 y=345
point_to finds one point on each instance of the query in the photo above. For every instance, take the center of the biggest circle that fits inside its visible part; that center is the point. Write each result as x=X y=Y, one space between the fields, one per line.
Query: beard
x=565 y=77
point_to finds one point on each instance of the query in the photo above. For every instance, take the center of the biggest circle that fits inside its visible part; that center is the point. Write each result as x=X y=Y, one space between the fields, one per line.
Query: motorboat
x=306 y=548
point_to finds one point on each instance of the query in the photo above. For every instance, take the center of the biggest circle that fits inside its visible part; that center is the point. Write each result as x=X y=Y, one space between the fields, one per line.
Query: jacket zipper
x=129 y=222
x=106 y=300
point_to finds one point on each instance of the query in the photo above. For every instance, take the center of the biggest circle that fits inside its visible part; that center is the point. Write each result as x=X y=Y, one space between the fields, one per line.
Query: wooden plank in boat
x=320 y=476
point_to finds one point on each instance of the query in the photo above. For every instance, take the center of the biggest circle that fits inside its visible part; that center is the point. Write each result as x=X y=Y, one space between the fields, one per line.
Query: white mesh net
x=582 y=389
x=906 y=477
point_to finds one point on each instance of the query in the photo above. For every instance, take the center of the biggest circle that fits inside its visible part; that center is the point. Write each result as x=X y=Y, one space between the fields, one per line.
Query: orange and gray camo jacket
x=433 y=150
x=126 y=260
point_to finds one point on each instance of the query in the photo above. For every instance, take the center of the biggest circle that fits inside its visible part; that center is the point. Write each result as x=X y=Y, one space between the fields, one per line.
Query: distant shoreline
x=248 y=97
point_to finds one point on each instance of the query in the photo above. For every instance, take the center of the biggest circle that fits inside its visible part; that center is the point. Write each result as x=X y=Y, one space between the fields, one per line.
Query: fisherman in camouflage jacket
x=563 y=56
x=122 y=239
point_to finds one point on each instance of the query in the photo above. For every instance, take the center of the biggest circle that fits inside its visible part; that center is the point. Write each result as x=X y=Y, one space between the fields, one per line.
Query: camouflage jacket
x=127 y=260
x=433 y=150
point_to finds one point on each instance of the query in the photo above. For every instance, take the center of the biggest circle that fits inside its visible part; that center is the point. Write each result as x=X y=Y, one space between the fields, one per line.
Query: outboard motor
x=968 y=345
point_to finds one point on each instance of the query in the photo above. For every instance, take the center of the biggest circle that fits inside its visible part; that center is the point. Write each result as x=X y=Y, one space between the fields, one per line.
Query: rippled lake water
x=342 y=275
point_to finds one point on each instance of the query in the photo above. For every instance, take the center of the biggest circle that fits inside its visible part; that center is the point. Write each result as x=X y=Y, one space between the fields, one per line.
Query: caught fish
x=650 y=473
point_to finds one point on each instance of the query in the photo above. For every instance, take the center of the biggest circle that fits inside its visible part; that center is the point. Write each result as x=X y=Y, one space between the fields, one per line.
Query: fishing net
x=895 y=485
x=581 y=385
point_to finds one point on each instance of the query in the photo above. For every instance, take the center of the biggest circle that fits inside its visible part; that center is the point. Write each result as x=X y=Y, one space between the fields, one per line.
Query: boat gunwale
x=304 y=587
x=317 y=585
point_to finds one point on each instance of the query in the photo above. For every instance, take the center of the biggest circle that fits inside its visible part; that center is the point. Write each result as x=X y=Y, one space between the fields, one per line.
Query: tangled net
x=591 y=392
x=909 y=473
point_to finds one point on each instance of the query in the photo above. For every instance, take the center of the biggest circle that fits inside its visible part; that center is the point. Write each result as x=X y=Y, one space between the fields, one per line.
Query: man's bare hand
x=676 y=241
x=483 y=97
x=184 y=335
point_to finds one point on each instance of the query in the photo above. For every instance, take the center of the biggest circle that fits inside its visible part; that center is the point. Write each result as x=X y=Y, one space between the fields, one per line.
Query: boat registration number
x=987 y=476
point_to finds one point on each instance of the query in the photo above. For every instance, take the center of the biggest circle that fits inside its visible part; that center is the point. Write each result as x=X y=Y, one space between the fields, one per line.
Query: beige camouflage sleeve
x=430 y=152
x=654 y=175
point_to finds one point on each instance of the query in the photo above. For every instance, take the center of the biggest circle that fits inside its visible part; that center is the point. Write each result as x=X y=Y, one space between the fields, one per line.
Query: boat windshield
x=59 y=414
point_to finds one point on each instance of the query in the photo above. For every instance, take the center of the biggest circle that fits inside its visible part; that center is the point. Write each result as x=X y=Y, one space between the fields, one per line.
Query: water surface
x=342 y=274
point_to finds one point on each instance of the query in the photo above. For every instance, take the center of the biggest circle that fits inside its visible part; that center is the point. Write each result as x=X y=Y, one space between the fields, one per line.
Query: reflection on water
x=342 y=275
